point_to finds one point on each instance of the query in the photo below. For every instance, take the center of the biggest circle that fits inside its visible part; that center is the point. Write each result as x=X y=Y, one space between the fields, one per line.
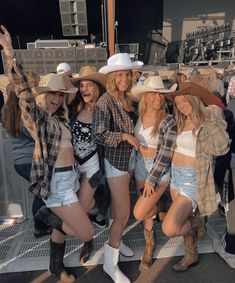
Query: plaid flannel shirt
x=165 y=147
x=110 y=121
x=212 y=140
x=44 y=129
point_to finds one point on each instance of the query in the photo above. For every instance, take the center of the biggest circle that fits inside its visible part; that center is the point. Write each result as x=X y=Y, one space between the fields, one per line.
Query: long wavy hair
x=78 y=103
x=11 y=111
x=112 y=89
x=62 y=112
x=160 y=114
x=198 y=115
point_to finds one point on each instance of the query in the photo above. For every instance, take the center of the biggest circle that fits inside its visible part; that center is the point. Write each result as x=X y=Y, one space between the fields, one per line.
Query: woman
x=201 y=135
x=156 y=132
x=113 y=128
x=23 y=146
x=91 y=85
x=52 y=174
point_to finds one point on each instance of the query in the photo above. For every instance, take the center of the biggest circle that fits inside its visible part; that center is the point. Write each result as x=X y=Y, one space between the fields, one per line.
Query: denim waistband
x=182 y=168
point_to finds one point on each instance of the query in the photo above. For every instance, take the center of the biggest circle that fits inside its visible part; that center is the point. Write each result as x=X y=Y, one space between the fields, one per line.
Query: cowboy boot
x=56 y=266
x=45 y=215
x=110 y=267
x=191 y=256
x=125 y=250
x=86 y=251
x=199 y=225
x=147 y=257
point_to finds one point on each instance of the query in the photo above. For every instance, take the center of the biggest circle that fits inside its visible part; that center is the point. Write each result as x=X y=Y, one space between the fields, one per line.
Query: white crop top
x=186 y=143
x=144 y=135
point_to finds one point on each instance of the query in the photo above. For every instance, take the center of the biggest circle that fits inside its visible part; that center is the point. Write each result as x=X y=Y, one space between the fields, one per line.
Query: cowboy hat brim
x=42 y=89
x=114 y=68
x=137 y=91
x=97 y=78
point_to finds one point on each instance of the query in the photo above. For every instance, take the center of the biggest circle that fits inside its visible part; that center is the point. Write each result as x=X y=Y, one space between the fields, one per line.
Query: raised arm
x=30 y=113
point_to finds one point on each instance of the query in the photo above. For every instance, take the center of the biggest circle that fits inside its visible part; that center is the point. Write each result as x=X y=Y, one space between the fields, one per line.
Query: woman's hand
x=131 y=140
x=5 y=42
x=148 y=190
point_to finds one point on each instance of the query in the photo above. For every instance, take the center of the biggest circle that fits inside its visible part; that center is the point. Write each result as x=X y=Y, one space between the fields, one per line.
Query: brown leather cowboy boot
x=147 y=257
x=199 y=225
x=191 y=256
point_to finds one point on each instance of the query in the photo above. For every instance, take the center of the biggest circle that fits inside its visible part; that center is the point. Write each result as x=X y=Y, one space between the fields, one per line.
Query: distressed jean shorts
x=143 y=167
x=183 y=180
x=63 y=188
x=111 y=171
x=90 y=167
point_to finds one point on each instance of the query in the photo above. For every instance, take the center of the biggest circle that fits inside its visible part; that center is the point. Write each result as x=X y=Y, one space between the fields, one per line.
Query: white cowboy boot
x=125 y=250
x=110 y=267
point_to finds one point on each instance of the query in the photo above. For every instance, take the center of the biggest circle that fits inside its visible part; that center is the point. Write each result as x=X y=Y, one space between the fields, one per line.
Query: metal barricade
x=15 y=200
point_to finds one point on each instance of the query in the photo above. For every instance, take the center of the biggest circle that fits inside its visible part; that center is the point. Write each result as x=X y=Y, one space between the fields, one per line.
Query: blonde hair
x=62 y=112
x=112 y=89
x=160 y=114
x=198 y=115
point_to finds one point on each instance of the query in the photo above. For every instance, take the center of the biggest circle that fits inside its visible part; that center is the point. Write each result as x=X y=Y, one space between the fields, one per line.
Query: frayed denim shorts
x=90 y=167
x=111 y=171
x=143 y=167
x=183 y=180
x=63 y=189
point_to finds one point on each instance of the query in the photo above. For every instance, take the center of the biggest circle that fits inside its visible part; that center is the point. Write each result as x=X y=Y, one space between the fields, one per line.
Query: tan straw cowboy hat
x=90 y=73
x=151 y=84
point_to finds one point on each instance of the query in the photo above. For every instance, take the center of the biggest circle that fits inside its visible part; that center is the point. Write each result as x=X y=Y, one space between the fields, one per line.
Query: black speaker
x=173 y=52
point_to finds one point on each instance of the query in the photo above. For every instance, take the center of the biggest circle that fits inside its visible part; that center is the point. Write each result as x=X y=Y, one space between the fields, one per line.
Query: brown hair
x=113 y=91
x=78 y=103
x=12 y=113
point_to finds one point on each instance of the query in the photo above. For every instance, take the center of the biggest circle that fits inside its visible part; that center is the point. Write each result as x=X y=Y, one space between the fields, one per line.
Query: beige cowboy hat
x=120 y=62
x=54 y=83
x=151 y=84
x=90 y=73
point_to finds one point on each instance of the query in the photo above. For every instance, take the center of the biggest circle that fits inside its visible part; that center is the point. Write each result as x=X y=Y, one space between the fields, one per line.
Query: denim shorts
x=183 y=180
x=143 y=167
x=90 y=167
x=111 y=171
x=63 y=188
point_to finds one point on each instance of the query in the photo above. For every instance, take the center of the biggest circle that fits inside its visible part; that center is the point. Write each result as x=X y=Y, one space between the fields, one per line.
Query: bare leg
x=120 y=199
x=75 y=221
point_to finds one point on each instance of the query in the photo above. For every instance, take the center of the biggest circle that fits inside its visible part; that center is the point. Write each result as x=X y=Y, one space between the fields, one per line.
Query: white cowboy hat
x=151 y=84
x=120 y=62
x=89 y=73
x=54 y=83
x=63 y=68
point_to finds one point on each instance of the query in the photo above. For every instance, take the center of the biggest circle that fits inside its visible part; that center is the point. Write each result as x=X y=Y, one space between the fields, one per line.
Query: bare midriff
x=65 y=157
x=183 y=160
x=148 y=152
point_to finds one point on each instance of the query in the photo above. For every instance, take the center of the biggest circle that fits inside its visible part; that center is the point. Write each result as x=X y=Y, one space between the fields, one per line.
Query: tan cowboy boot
x=191 y=256
x=199 y=225
x=147 y=257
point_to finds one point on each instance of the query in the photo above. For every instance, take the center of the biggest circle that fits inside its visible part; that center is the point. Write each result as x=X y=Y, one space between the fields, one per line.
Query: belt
x=63 y=169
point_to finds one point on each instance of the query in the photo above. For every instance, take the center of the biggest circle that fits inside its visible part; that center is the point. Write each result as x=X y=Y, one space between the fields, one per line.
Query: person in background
x=156 y=132
x=23 y=146
x=64 y=69
x=87 y=154
x=181 y=77
x=53 y=176
x=201 y=135
x=113 y=128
